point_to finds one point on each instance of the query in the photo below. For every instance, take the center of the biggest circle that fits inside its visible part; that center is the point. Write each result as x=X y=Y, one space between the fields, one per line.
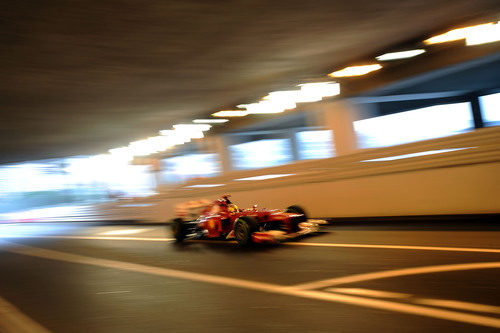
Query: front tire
x=179 y=229
x=296 y=220
x=243 y=229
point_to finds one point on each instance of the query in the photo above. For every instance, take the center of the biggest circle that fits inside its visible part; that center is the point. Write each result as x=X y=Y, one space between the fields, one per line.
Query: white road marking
x=122 y=232
x=148 y=239
x=397 y=272
x=459 y=305
x=397 y=247
x=467 y=306
x=12 y=320
x=253 y=285
x=368 y=292
x=368 y=246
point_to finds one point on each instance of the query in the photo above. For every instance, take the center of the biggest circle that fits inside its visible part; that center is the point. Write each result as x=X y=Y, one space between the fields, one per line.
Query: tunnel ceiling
x=79 y=77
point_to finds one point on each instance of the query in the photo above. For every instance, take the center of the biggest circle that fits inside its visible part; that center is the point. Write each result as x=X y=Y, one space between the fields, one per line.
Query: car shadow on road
x=232 y=247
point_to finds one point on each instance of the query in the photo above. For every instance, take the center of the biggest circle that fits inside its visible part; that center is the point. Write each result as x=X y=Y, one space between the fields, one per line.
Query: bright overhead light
x=463 y=33
x=488 y=34
x=192 y=127
x=175 y=137
x=312 y=92
x=264 y=177
x=210 y=121
x=161 y=143
x=356 y=70
x=121 y=153
x=400 y=55
x=309 y=92
x=231 y=113
x=282 y=99
x=185 y=132
x=141 y=148
x=265 y=107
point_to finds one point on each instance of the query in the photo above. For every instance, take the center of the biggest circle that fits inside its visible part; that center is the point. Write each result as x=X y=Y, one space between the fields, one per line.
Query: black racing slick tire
x=179 y=230
x=296 y=220
x=243 y=229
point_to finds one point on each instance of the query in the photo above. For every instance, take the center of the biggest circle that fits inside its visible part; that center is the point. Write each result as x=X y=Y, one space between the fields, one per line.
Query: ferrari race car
x=222 y=219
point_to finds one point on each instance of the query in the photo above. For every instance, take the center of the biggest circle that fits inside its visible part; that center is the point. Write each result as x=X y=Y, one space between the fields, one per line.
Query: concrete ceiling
x=79 y=77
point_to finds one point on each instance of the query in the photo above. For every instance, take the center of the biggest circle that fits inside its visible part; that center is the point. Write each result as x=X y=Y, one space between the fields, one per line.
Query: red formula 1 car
x=224 y=220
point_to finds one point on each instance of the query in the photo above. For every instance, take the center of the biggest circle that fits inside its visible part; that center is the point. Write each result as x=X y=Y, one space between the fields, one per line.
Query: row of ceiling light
x=280 y=101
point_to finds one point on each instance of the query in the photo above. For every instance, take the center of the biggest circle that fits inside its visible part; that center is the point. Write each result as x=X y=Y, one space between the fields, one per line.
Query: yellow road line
x=397 y=272
x=365 y=246
x=459 y=305
x=253 y=285
x=467 y=306
x=368 y=292
x=397 y=247
x=12 y=320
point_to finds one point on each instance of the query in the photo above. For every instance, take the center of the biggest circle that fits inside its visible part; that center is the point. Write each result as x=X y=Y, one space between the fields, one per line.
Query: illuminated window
x=182 y=168
x=490 y=109
x=261 y=154
x=415 y=125
x=315 y=144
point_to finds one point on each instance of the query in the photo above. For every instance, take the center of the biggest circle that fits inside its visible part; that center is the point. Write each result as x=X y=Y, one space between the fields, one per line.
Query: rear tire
x=179 y=229
x=243 y=229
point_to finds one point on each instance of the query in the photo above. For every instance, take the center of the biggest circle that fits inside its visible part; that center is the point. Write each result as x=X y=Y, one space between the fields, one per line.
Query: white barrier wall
x=452 y=175
x=472 y=189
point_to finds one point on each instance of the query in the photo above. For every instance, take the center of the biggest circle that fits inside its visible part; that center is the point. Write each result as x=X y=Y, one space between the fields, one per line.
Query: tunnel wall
x=472 y=189
x=457 y=175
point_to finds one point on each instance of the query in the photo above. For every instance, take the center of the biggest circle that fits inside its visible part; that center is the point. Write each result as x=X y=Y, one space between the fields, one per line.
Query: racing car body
x=224 y=220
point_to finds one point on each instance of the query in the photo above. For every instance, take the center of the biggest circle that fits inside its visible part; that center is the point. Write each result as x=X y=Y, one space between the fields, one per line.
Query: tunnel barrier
x=452 y=175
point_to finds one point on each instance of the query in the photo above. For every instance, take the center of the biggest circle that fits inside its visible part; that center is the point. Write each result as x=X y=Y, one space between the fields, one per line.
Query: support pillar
x=339 y=117
x=219 y=145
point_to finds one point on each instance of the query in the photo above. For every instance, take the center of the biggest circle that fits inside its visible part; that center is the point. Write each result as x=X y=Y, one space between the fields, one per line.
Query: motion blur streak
x=252 y=285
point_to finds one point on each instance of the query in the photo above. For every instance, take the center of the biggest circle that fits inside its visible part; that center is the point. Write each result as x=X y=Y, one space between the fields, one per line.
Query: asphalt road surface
x=133 y=278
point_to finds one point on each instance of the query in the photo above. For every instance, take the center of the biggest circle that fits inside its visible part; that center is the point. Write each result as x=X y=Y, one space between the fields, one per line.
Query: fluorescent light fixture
x=174 y=137
x=167 y=132
x=210 y=121
x=181 y=134
x=312 y=92
x=422 y=153
x=192 y=127
x=282 y=99
x=264 y=107
x=489 y=34
x=356 y=70
x=400 y=55
x=141 y=148
x=264 y=177
x=230 y=113
x=461 y=33
x=204 y=185
x=161 y=143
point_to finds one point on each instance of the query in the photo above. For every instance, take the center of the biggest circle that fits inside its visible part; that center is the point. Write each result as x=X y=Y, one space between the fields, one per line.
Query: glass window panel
x=182 y=168
x=415 y=125
x=490 y=109
x=315 y=144
x=261 y=154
